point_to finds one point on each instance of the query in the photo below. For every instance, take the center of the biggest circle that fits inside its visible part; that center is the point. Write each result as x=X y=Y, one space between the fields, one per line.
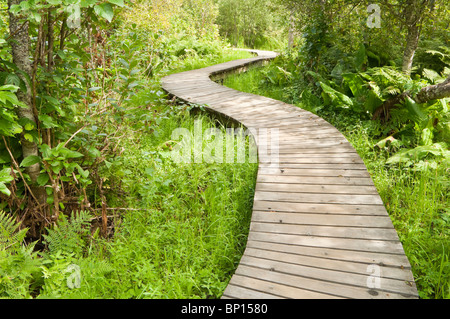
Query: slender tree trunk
x=291 y=30
x=50 y=41
x=412 y=42
x=21 y=57
x=415 y=13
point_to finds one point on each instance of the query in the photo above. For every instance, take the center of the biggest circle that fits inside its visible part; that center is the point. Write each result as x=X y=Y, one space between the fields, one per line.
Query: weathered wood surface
x=319 y=228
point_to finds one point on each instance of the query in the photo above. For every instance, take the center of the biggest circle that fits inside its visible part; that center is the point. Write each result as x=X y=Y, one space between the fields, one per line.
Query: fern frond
x=431 y=75
x=10 y=235
x=67 y=236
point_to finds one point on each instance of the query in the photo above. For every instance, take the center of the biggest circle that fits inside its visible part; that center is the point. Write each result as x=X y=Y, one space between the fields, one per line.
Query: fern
x=387 y=78
x=10 y=235
x=68 y=235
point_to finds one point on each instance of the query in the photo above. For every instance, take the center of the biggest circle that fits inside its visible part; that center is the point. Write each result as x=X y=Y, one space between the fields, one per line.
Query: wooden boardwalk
x=319 y=228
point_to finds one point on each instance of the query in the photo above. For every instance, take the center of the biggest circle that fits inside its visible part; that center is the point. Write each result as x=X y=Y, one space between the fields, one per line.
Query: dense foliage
x=100 y=125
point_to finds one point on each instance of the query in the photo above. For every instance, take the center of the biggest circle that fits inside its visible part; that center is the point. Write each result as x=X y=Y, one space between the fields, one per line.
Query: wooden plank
x=346 y=284
x=316 y=189
x=352 y=199
x=396 y=261
x=272 y=287
x=325 y=231
x=360 y=166
x=319 y=208
x=233 y=291
x=314 y=172
x=356 y=245
x=362 y=268
x=322 y=220
x=310 y=159
x=309 y=288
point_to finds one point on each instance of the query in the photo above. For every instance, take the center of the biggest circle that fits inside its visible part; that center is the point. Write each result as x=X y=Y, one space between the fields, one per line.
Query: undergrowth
x=179 y=230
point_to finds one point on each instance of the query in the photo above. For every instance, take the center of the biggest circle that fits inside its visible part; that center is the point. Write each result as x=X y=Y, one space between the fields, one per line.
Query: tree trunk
x=412 y=42
x=21 y=57
x=291 y=30
x=434 y=92
x=415 y=12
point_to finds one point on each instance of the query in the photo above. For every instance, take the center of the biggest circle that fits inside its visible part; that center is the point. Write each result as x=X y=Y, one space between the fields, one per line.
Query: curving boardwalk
x=319 y=228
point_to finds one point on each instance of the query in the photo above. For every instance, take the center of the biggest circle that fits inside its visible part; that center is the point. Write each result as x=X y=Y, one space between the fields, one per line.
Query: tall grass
x=188 y=239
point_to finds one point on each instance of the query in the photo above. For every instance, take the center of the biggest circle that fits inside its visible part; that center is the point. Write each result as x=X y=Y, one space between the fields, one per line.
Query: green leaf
x=84 y=173
x=339 y=98
x=105 y=11
x=47 y=121
x=9 y=87
x=4 y=189
x=361 y=57
x=42 y=179
x=30 y=160
x=418 y=153
x=87 y=3
x=28 y=137
x=415 y=110
x=5 y=175
x=119 y=3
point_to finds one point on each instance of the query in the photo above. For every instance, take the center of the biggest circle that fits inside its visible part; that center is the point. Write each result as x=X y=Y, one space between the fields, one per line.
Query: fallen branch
x=427 y=94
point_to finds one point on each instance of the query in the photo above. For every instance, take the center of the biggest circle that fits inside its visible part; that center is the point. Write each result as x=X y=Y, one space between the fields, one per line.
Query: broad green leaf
x=119 y=3
x=47 y=121
x=418 y=153
x=28 y=137
x=9 y=128
x=355 y=83
x=415 y=110
x=105 y=11
x=133 y=84
x=87 y=3
x=360 y=57
x=339 y=98
x=42 y=179
x=5 y=175
x=443 y=103
x=51 y=99
x=30 y=160
x=4 y=189
x=74 y=14
x=9 y=87
x=71 y=154
x=84 y=173
x=25 y=5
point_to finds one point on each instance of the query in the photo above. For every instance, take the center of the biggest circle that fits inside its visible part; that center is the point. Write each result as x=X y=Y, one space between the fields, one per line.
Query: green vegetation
x=102 y=135
x=86 y=183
